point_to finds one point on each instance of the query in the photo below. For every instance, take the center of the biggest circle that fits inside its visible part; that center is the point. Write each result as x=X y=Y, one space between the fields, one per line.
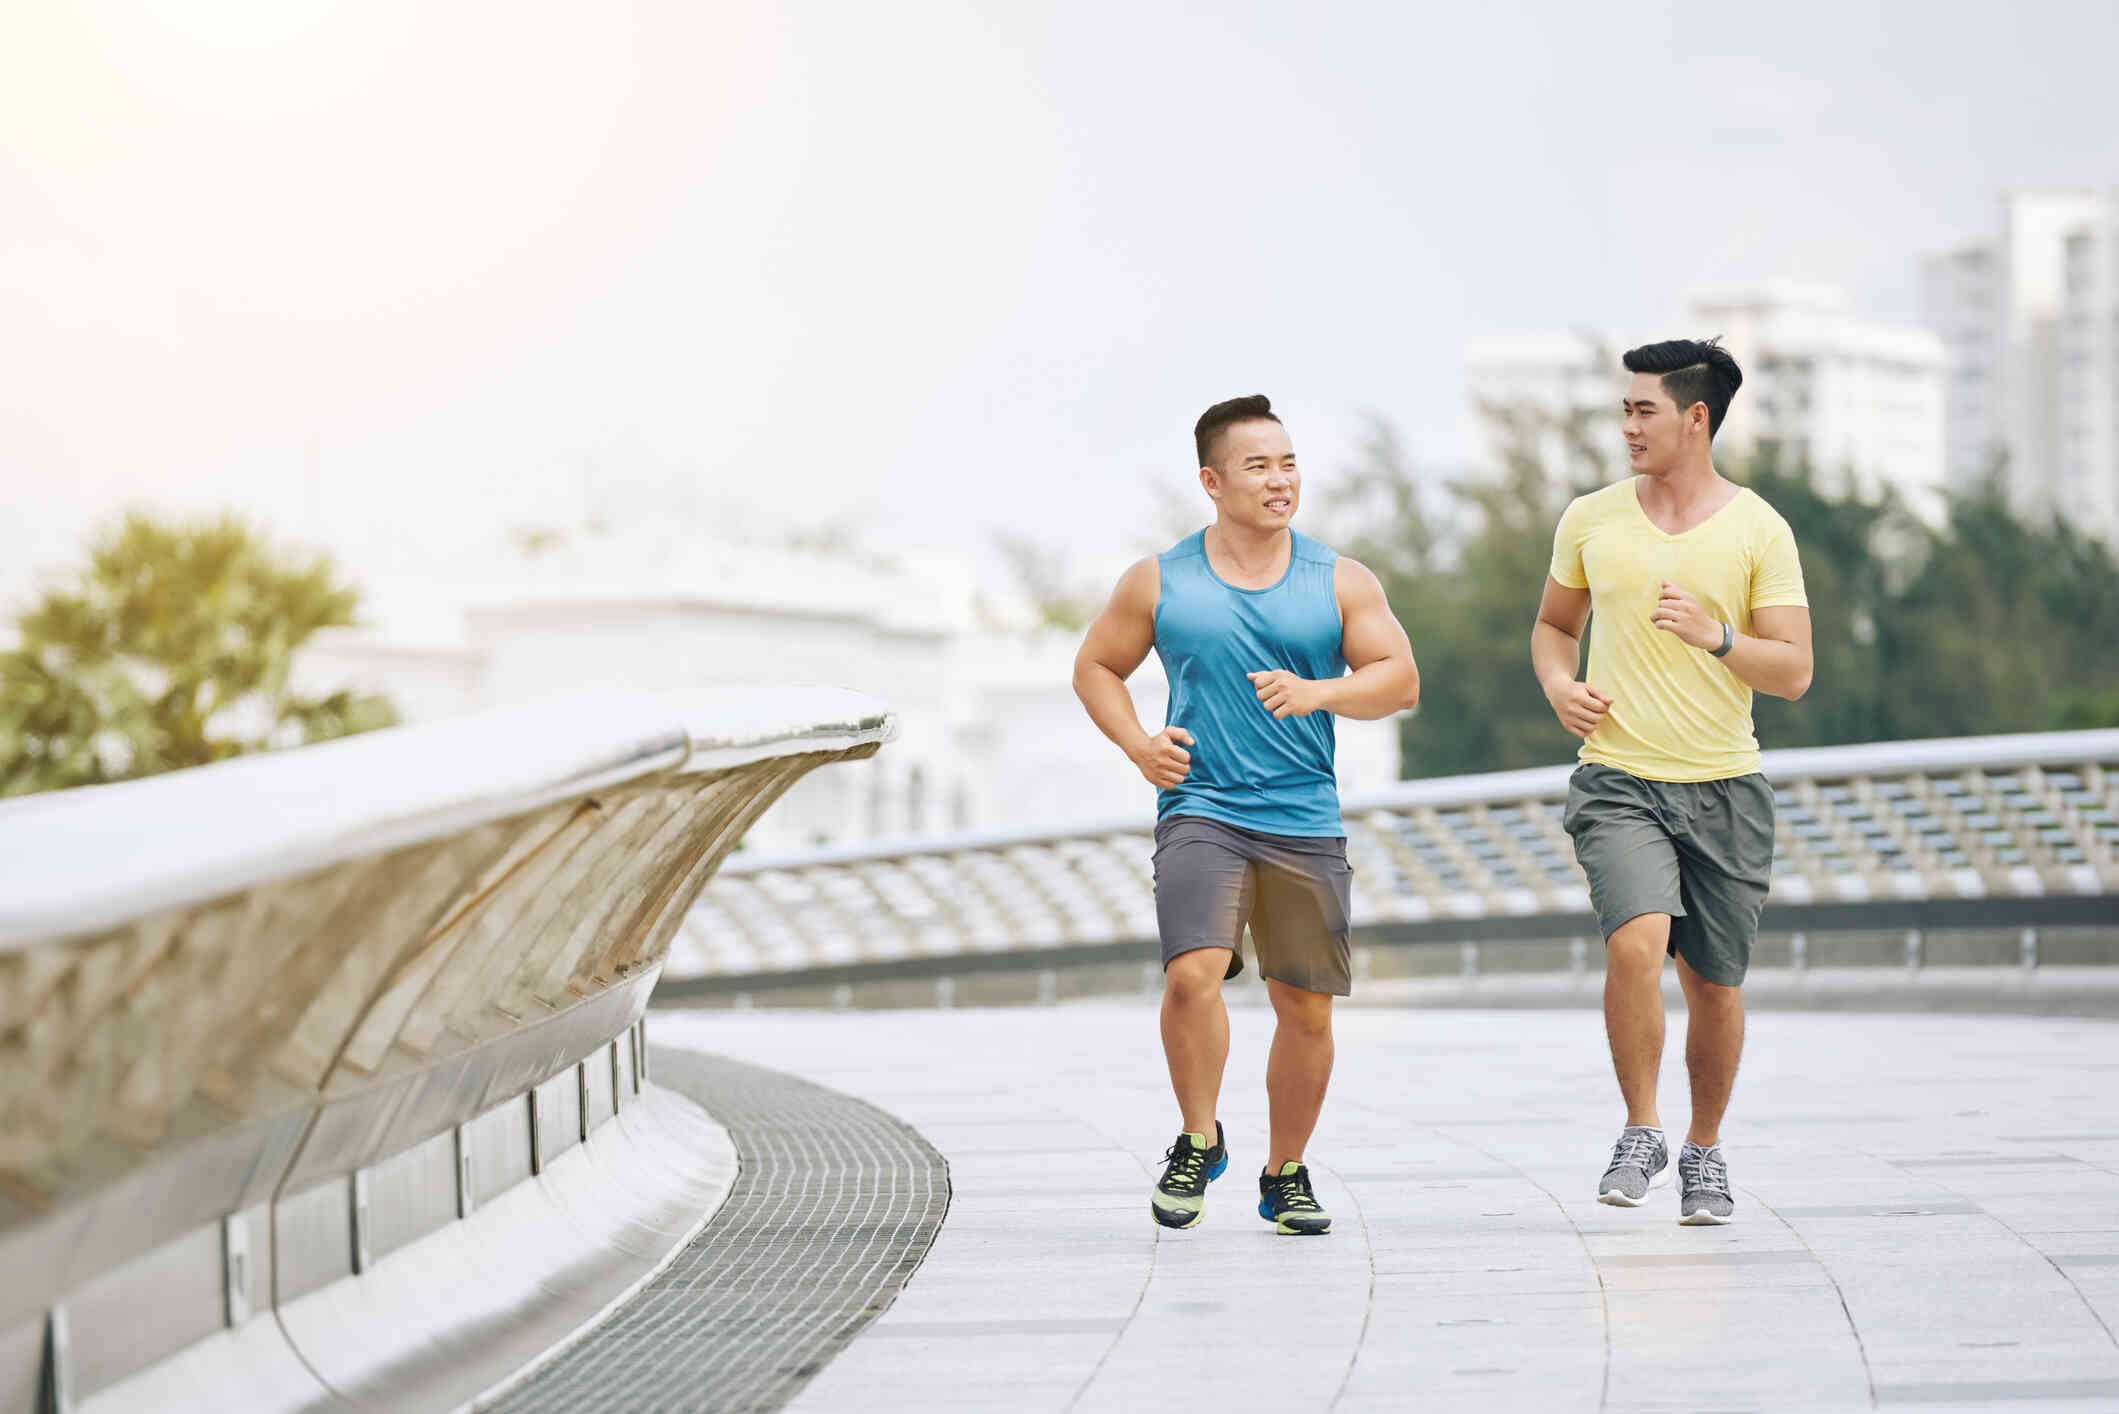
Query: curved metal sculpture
x=234 y=999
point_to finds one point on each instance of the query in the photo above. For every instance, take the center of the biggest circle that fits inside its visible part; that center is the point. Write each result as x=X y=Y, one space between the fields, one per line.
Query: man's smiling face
x=1653 y=425
x=1254 y=479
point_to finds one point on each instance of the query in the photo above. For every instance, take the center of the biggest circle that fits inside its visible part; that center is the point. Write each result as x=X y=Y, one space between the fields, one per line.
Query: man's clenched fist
x=1678 y=612
x=1162 y=760
x=1284 y=694
x=1579 y=706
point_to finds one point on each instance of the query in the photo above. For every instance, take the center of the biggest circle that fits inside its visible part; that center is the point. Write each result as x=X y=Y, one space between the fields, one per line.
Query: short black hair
x=1694 y=371
x=1222 y=416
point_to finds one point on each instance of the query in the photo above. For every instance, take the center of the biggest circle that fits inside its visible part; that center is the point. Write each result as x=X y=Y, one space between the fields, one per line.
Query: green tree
x=1855 y=553
x=2008 y=625
x=172 y=647
x=1464 y=580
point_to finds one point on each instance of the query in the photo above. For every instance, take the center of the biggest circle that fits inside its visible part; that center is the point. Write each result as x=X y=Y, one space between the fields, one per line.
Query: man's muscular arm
x=1117 y=643
x=1384 y=680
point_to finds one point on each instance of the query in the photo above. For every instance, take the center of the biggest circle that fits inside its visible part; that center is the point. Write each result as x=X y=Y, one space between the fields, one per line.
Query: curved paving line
x=1861 y=1346
x=833 y=1208
x=1148 y=1173
x=1603 y=1295
x=1368 y=1309
x=2043 y=1255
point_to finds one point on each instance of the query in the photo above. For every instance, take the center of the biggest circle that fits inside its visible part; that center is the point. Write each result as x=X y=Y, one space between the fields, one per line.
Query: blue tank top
x=1248 y=769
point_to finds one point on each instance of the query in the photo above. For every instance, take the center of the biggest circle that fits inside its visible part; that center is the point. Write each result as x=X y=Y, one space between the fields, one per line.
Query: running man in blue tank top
x=1257 y=627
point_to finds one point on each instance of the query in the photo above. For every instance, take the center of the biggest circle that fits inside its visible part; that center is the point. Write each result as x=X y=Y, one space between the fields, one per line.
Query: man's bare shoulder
x=1354 y=581
x=1140 y=586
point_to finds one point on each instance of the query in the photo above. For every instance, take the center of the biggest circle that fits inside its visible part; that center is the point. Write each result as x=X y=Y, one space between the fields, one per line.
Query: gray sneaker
x=1703 y=1186
x=1639 y=1161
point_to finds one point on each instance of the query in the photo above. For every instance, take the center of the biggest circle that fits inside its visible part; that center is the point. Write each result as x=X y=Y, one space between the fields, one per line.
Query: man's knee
x=1195 y=976
x=1708 y=996
x=1640 y=942
x=1307 y=1012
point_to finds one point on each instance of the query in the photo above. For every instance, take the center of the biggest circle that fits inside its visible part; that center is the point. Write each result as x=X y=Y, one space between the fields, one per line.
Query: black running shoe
x=1180 y=1196
x=1285 y=1200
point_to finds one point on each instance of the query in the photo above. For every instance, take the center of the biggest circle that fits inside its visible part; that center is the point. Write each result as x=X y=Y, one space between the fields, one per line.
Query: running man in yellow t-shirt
x=1699 y=602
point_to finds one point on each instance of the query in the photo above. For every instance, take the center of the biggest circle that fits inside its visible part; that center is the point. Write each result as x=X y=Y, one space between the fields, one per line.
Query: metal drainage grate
x=834 y=1207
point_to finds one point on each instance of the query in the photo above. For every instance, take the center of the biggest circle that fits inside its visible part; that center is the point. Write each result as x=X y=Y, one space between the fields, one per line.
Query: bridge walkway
x=1929 y=1219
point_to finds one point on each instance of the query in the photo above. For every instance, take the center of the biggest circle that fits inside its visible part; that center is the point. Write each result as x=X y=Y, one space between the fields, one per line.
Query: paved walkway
x=1929 y=1217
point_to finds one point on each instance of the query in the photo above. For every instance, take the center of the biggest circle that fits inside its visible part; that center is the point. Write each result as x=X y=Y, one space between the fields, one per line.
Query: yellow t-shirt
x=1677 y=714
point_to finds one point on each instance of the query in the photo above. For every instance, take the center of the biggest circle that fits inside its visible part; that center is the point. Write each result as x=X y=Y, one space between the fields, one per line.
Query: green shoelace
x=1186 y=1164
x=1294 y=1192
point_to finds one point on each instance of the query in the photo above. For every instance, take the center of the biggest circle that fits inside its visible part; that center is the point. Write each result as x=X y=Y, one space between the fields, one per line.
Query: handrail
x=233 y=999
x=1999 y=752
x=79 y=861
x=2000 y=831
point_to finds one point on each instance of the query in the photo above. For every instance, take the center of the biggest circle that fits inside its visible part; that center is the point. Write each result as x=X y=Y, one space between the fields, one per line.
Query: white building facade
x=2029 y=318
x=1861 y=401
x=2087 y=481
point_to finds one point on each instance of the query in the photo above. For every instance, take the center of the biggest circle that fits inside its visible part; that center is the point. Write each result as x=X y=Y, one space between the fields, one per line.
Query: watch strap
x=1728 y=642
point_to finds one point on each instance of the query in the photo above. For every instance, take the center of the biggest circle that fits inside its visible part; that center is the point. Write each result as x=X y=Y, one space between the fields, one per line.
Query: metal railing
x=1979 y=831
x=264 y=1023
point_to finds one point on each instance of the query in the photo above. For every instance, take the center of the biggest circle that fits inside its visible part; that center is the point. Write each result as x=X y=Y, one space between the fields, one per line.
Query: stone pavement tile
x=1007 y=1327
x=2001 y=1397
x=954 y=1385
x=1478 y=1376
x=1058 y=1209
x=1716 y=1280
x=1878 y=1209
x=1401 y=1338
x=2071 y=1223
x=1100 y=1168
x=2004 y=1347
x=1302 y=1370
x=1762 y=1382
x=1475 y=1259
x=979 y=1351
x=2102 y=1243
x=1524 y=1281
x=1044 y=1296
x=1410 y=1304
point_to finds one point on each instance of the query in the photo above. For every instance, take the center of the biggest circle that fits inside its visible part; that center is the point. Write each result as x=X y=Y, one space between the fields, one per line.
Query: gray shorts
x=1700 y=851
x=1211 y=879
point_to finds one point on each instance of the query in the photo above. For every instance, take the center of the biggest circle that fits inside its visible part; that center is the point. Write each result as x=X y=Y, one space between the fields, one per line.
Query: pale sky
x=398 y=276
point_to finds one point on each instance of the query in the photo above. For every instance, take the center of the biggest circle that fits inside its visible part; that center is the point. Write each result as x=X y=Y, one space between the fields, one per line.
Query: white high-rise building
x=2086 y=487
x=1961 y=298
x=2029 y=320
x=1859 y=400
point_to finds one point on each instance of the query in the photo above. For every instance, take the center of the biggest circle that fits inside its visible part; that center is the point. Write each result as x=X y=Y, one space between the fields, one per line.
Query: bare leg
x=1196 y=1034
x=1714 y=1040
x=1633 y=1010
x=1297 y=1070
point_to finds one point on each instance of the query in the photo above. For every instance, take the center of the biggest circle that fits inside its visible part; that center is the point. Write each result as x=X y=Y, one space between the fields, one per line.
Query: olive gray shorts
x=1211 y=879
x=1700 y=851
